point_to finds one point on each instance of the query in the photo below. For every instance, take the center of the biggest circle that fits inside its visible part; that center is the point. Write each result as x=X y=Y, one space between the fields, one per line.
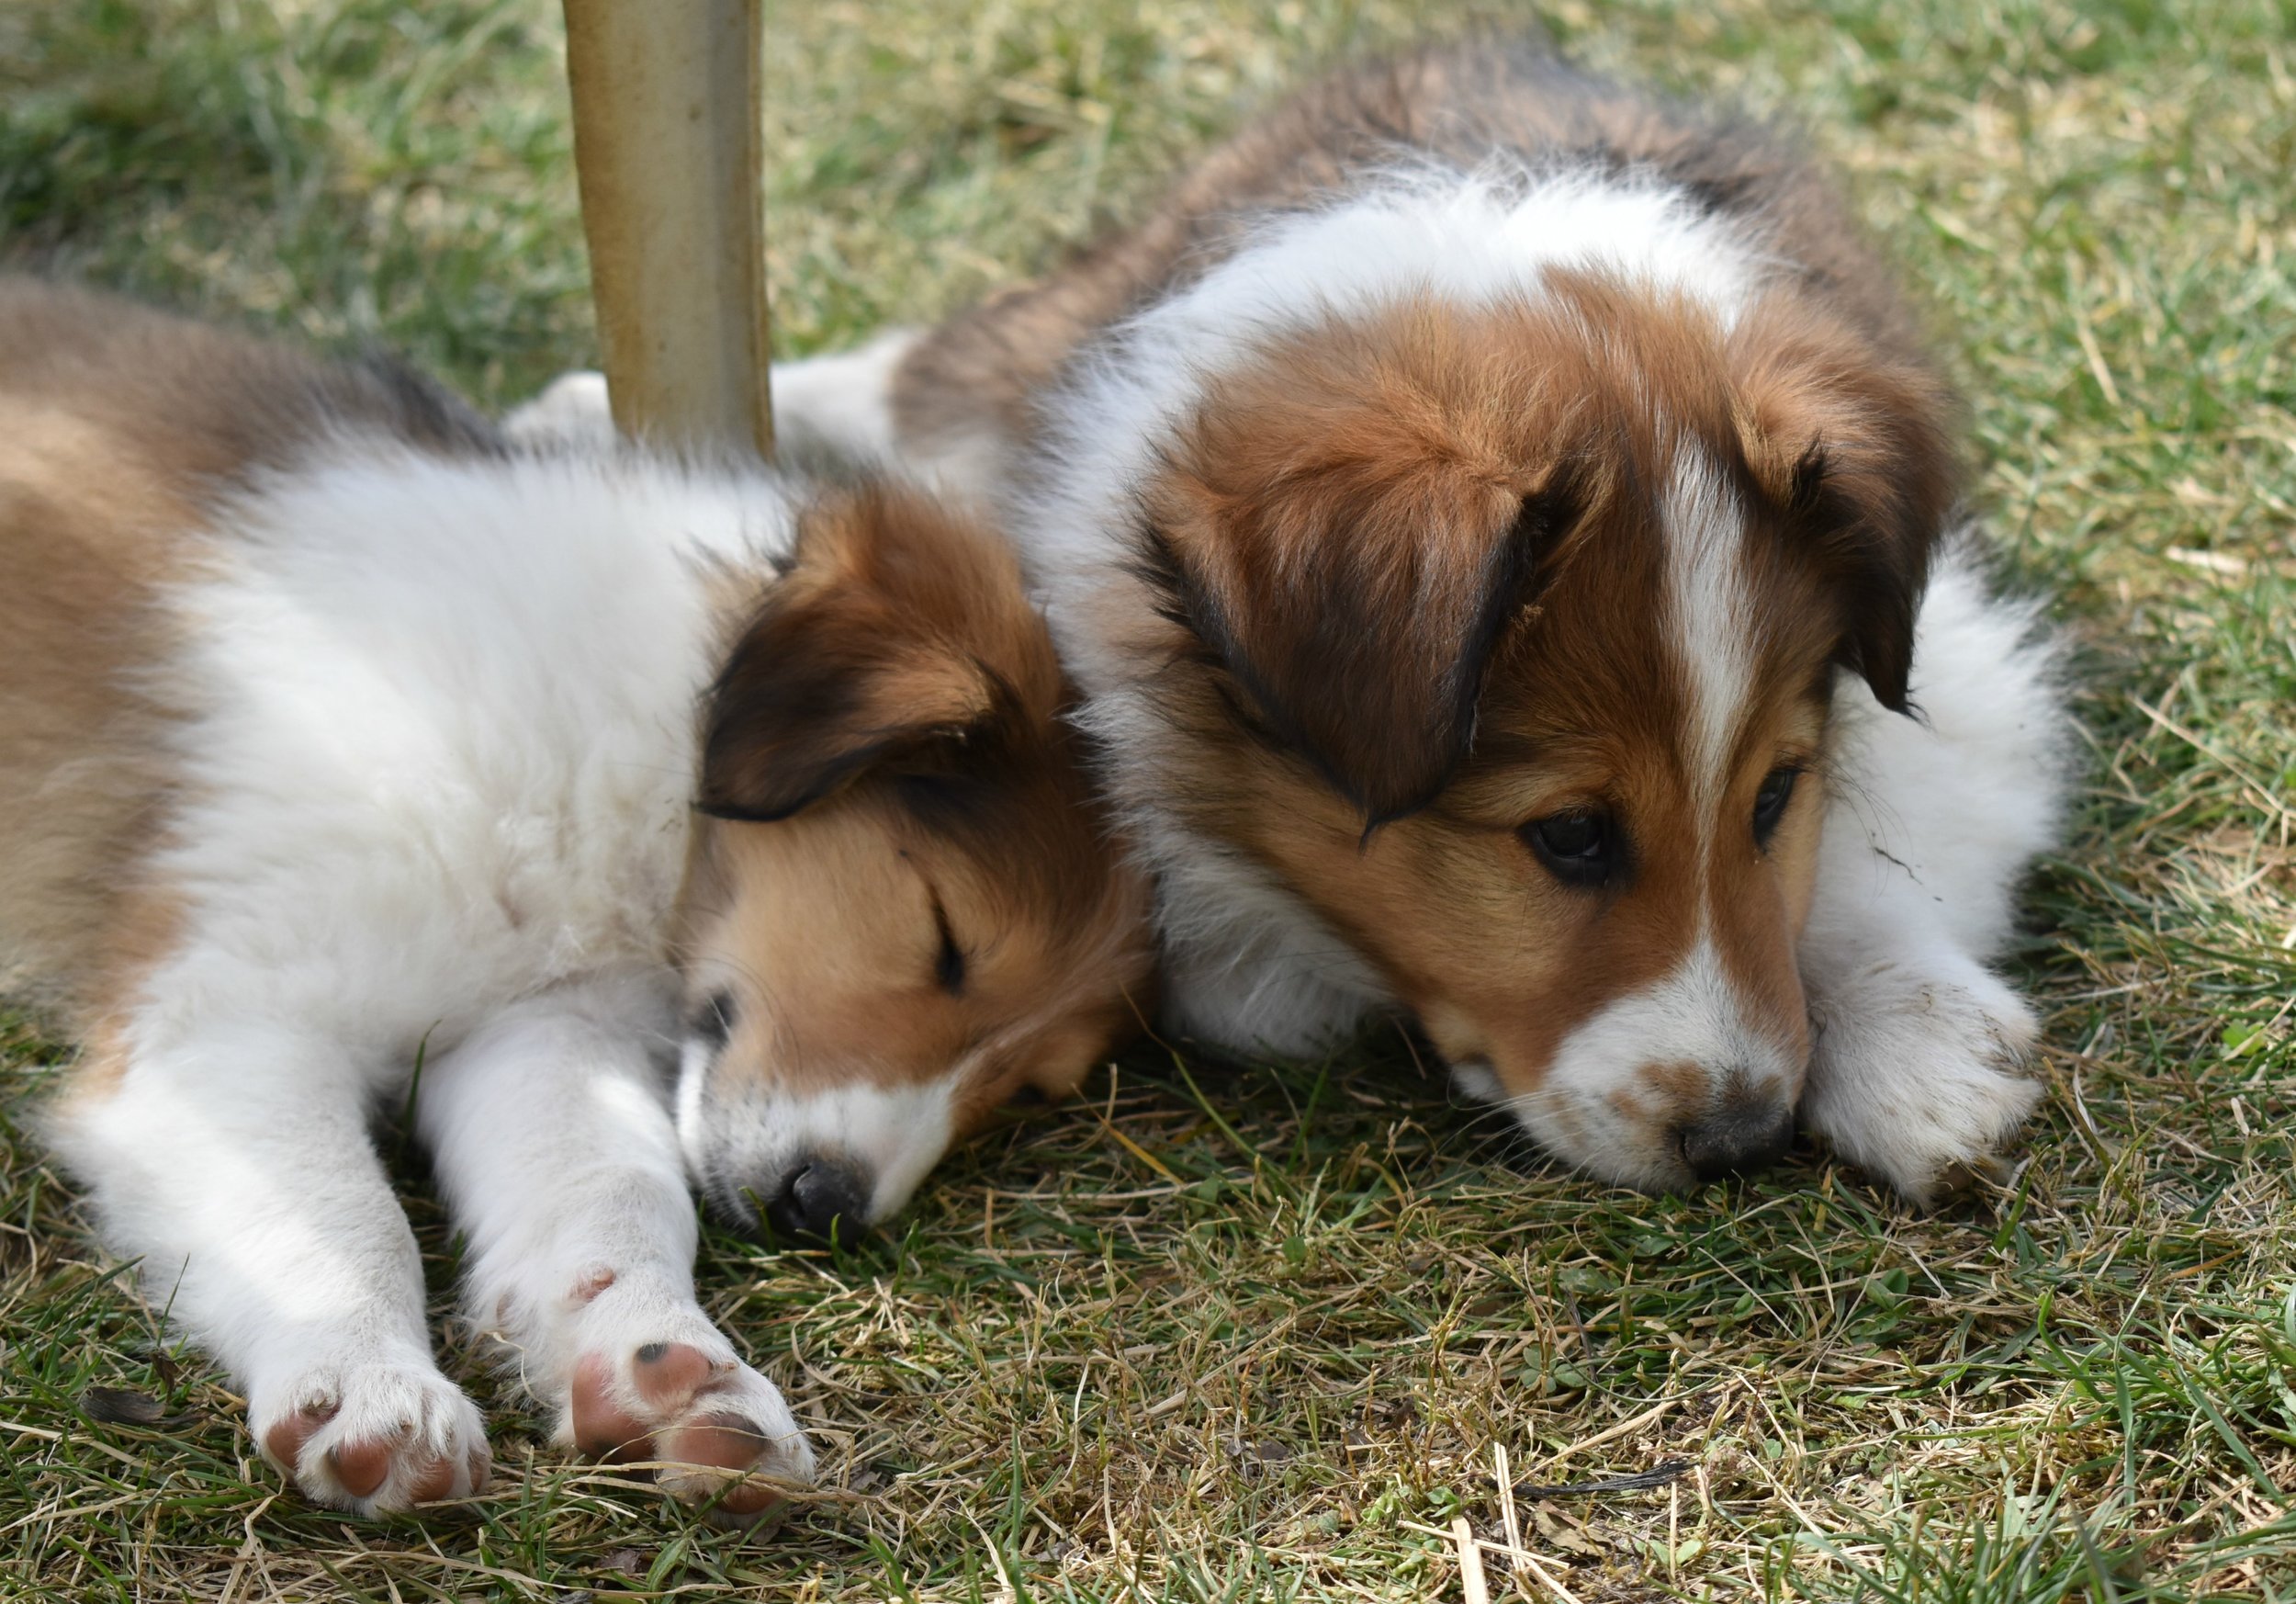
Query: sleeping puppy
x=1505 y=528
x=625 y=821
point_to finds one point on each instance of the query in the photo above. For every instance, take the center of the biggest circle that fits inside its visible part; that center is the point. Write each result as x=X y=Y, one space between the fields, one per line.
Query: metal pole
x=668 y=146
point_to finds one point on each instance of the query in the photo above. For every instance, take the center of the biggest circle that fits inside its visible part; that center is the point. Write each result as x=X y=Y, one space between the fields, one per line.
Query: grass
x=1265 y=1335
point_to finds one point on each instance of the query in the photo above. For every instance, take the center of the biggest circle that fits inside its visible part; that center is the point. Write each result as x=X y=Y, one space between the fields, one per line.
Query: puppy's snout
x=1738 y=1140
x=821 y=1199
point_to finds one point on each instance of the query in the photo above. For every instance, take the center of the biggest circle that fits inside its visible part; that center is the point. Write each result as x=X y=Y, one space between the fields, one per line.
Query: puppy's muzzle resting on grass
x=675 y=822
x=1505 y=529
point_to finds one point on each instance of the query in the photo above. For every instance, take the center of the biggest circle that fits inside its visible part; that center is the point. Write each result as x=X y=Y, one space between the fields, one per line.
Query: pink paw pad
x=709 y=1455
x=362 y=1467
x=664 y=1412
x=283 y=1444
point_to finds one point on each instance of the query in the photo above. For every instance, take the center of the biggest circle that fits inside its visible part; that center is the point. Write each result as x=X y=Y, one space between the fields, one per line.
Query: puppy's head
x=906 y=909
x=1505 y=637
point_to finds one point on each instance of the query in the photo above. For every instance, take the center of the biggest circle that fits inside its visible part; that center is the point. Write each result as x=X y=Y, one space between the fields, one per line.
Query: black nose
x=822 y=1199
x=1737 y=1141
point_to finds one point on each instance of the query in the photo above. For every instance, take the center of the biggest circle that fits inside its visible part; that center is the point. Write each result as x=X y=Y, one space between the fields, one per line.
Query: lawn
x=1267 y=1332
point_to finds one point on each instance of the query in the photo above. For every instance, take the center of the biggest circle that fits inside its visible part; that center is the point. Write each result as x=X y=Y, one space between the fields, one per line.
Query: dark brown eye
x=1770 y=802
x=1579 y=848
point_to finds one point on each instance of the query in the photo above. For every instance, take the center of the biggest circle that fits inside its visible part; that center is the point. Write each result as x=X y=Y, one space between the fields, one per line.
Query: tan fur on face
x=826 y=929
x=897 y=783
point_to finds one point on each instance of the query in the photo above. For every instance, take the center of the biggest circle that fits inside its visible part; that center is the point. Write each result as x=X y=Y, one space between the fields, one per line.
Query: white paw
x=654 y=1380
x=839 y=407
x=372 y=1436
x=1915 y=1080
x=573 y=408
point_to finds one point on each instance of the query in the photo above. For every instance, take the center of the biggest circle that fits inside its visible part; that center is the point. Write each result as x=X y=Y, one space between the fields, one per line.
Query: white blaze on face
x=1694 y=1015
x=1711 y=612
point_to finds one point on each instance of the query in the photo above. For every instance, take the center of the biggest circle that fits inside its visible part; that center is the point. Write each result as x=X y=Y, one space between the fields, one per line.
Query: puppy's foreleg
x=571 y=412
x=237 y=1166
x=830 y=413
x=554 y=1144
x=838 y=409
x=1932 y=822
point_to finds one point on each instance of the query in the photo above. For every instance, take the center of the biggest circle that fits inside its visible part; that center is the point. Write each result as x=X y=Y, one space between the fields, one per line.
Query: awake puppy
x=1504 y=528
x=674 y=822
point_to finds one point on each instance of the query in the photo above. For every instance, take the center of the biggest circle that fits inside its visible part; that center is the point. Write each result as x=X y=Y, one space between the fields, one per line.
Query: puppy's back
x=189 y=400
x=1453 y=106
x=117 y=426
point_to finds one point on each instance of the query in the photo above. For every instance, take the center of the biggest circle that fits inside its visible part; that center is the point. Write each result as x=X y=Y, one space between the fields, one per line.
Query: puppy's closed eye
x=714 y=1020
x=949 y=962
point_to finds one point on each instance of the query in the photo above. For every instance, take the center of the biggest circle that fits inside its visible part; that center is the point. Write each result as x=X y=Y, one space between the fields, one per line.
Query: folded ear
x=1346 y=548
x=1352 y=622
x=1853 y=447
x=899 y=636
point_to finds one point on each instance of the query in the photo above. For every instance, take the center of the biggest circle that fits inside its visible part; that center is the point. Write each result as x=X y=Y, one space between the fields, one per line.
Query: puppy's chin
x=1560 y=1129
x=1474 y=1079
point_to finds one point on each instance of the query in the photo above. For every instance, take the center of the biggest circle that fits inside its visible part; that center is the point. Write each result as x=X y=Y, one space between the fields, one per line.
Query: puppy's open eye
x=1770 y=802
x=714 y=1020
x=1579 y=848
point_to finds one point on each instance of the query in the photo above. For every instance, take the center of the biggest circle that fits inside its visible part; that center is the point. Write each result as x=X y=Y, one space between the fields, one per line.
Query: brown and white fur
x=1506 y=529
x=678 y=823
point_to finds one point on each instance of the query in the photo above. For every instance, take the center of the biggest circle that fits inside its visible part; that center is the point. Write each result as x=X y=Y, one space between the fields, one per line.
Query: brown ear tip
x=1887 y=673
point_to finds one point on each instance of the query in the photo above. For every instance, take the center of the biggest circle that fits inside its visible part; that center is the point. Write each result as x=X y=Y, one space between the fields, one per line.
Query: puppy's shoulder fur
x=975 y=381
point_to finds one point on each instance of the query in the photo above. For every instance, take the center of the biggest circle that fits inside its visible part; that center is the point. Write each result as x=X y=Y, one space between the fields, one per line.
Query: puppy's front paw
x=375 y=1437
x=573 y=408
x=665 y=1385
x=1915 y=1080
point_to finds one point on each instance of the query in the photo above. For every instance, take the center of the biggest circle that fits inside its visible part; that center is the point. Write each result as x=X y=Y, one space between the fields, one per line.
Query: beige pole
x=669 y=145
